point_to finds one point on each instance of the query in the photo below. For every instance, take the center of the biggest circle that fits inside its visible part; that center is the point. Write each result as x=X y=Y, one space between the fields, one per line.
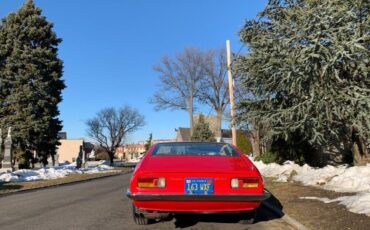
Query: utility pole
x=231 y=92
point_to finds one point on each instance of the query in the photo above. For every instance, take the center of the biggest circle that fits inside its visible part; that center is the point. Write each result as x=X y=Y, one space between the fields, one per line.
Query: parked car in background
x=194 y=177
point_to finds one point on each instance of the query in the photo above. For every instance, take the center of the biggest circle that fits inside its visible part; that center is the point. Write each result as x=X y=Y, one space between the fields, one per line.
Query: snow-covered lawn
x=54 y=173
x=340 y=179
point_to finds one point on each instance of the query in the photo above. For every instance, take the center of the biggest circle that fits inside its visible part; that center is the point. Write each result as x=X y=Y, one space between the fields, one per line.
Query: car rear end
x=201 y=183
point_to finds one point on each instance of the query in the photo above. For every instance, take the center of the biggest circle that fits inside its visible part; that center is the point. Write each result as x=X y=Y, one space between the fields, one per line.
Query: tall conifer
x=30 y=72
x=308 y=69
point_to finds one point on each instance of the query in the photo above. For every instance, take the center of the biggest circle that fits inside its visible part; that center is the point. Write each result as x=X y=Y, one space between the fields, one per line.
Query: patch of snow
x=359 y=203
x=134 y=160
x=54 y=173
x=342 y=178
x=7 y=177
x=104 y=167
x=322 y=199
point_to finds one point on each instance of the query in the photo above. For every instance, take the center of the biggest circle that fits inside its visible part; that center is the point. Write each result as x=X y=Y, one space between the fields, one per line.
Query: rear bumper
x=197 y=203
x=184 y=197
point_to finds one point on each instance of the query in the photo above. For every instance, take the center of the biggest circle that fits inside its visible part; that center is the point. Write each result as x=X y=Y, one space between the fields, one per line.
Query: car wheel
x=249 y=217
x=139 y=218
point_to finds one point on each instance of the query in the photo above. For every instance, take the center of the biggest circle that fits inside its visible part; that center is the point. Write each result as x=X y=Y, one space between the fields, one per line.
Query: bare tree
x=110 y=126
x=215 y=92
x=180 y=81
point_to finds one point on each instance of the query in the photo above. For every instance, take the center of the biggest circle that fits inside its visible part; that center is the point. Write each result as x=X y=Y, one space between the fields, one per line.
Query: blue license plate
x=202 y=186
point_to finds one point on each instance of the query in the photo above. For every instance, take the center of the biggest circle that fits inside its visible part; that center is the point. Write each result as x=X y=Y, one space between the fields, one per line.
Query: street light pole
x=231 y=92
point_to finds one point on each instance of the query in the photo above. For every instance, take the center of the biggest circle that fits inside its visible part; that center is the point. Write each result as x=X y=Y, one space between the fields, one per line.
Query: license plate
x=202 y=186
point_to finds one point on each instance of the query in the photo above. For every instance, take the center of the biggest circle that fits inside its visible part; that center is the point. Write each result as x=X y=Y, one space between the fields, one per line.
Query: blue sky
x=110 y=46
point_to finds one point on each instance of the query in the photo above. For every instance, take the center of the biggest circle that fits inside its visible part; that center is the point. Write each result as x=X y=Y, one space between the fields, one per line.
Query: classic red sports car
x=194 y=177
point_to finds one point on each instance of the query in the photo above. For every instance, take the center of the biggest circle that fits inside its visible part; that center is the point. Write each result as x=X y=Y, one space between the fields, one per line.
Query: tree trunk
x=357 y=157
x=255 y=140
x=111 y=158
x=359 y=150
x=191 y=118
x=219 y=123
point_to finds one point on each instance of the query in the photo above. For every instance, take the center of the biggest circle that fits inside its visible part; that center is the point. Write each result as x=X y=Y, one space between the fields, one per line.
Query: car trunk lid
x=193 y=164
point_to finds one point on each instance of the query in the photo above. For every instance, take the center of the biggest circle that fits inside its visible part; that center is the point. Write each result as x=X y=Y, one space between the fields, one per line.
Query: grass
x=312 y=213
x=9 y=187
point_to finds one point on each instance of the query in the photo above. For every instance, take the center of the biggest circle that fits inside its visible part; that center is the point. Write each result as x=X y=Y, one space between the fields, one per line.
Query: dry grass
x=312 y=213
x=9 y=187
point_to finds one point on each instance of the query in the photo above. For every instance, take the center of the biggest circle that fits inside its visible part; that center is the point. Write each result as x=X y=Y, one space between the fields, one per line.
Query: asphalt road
x=101 y=204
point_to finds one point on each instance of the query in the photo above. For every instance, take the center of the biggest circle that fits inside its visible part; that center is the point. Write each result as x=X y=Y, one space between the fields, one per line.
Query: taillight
x=244 y=183
x=151 y=182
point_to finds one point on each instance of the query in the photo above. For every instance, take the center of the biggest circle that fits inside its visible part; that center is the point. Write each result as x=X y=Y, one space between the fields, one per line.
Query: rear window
x=194 y=149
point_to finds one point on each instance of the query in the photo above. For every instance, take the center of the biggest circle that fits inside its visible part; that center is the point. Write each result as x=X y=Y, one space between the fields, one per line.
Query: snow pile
x=53 y=173
x=359 y=203
x=134 y=160
x=340 y=179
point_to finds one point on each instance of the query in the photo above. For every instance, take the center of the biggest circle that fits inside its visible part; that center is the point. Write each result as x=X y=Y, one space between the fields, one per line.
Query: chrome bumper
x=186 y=197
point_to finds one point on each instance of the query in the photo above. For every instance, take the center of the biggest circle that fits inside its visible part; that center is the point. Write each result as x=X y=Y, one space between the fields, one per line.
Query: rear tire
x=139 y=218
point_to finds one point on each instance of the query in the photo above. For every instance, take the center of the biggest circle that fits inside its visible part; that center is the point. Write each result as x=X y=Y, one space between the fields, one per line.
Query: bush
x=295 y=149
x=243 y=142
x=268 y=157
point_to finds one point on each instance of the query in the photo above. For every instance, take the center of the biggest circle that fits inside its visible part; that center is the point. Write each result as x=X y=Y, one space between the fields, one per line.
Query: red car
x=194 y=177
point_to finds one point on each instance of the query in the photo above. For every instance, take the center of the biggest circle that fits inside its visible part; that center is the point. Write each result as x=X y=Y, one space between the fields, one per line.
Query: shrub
x=243 y=143
x=268 y=157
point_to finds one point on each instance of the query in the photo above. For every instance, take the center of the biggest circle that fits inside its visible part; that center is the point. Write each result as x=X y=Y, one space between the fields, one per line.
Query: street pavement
x=101 y=204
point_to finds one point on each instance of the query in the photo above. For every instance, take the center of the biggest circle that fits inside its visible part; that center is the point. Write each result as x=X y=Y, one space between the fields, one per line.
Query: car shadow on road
x=270 y=209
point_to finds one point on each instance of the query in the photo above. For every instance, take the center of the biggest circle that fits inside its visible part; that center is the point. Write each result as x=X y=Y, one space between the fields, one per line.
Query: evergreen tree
x=202 y=131
x=30 y=72
x=308 y=69
x=148 y=142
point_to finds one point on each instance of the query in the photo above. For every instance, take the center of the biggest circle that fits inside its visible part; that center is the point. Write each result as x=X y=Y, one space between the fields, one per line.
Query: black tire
x=249 y=217
x=139 y=218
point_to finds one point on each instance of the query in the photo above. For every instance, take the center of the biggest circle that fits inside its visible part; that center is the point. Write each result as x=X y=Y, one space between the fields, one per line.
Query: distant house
x=120 y=152
x=129 y=151
x=69 y=149
x=183 y=134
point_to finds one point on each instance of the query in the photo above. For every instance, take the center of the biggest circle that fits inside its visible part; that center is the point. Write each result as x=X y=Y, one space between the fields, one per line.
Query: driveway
x=101 y=204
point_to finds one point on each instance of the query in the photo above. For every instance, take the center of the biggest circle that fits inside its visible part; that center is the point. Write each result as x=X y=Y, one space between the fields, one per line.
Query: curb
x=63 y=184
x=293 y=222
x=285 y=217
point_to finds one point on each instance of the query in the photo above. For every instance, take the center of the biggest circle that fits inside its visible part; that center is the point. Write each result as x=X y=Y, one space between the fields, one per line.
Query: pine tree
x=30 y=72
x=148 y=142
x=202 y=132
x=308 y=69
